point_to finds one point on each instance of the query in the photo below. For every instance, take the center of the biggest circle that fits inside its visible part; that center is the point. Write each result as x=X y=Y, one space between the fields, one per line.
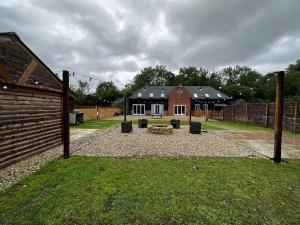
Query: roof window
x=206 y=95
x=162 y=95
x=219 y=95
x=195 y=95
x=151 y=95
x=139 y=95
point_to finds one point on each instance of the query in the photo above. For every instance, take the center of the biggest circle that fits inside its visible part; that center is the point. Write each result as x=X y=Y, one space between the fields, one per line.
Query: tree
x=106 y=93
x=81 y=92
x=192 y=76
x=157 y=76
x=294 y=67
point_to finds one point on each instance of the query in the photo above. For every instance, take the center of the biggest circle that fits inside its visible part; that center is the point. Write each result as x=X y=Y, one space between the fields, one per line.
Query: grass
x=96 y=124
x=210 y=125
x=89 y=190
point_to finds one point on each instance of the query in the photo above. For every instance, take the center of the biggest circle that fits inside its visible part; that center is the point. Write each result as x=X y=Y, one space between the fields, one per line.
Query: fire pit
x=160 y=129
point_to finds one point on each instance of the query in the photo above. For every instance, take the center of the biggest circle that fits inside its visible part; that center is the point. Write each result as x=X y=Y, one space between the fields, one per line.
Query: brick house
x=176 y=100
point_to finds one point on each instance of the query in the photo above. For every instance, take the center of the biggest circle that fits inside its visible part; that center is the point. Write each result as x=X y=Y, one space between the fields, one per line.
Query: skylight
x=195 y=95
x=206 y=95
x=139 y=95
x=219 y=95
x=151 y=95
x=162 y=95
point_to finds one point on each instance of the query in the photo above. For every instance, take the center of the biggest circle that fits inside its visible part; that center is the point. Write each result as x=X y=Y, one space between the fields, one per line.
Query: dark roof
x=15 y=37
x=196 y=92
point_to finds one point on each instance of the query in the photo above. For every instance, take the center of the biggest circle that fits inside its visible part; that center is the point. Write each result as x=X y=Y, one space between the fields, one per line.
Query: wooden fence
x=261 y=114
x=97 y=112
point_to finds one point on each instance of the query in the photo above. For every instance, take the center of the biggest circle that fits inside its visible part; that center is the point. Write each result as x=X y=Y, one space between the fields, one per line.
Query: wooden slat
x=33 y=151
x=4 y=72
x=27 y=72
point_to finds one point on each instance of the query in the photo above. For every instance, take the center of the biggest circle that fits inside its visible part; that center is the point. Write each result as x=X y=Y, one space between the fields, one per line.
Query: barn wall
x=30 y=122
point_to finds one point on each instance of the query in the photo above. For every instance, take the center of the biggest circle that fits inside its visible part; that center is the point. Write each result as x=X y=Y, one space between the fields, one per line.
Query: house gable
x=179 y=95
x=19 y=65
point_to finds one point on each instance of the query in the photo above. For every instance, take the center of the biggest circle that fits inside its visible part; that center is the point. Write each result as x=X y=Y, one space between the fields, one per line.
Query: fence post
x=266 y=115
x=278 y=116
x=232 y=113
x=295 y=117
x=222 y=113
x=66 y=130
x=246 y=116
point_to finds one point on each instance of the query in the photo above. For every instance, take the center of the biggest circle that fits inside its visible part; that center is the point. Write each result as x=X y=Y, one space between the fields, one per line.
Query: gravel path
x=13 y=173
x=180 y=143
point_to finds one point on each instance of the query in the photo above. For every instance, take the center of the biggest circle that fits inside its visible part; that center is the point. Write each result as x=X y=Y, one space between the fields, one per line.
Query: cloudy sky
x=114 y=39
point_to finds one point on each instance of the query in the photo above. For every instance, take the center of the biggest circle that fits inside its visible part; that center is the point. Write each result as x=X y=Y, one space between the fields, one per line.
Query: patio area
x=180 y=143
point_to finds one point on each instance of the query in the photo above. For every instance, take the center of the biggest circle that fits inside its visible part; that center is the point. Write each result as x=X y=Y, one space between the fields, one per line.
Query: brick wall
x=261 y=114
x=176 y=98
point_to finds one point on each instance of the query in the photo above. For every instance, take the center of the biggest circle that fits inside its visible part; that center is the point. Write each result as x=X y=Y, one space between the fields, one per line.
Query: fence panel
x=261 y=114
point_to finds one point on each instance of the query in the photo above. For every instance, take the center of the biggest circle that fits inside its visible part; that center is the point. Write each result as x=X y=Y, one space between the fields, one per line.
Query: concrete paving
x=263 y=142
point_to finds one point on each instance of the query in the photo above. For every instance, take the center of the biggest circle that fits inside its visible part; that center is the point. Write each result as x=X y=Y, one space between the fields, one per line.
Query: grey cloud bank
x=113 y=40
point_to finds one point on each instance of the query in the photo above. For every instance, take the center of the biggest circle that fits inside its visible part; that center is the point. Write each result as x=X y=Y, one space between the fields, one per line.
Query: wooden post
x=246 y=116
x=266 y=115
x=222 y=112
x=232 y=113
x=190 y=120
x=278 y=116
x=66 y=130
x=206 y=112
x=125 y=107
x=295 y=117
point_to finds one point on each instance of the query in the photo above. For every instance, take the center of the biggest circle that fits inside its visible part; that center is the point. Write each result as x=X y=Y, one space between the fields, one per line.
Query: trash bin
x=195 y=128
x=142 y=123
x=175 y=124
x=126 y=126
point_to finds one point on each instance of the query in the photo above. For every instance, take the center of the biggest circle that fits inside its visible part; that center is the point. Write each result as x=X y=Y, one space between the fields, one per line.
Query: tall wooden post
x=278 y=116
x=66 y=130
x=125 y=107
x=266 y=115
x=246 y=115
x=190 y=120
x=295 y=117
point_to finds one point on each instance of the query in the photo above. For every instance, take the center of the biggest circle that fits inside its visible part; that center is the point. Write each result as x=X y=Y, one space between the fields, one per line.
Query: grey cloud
x=114 y=39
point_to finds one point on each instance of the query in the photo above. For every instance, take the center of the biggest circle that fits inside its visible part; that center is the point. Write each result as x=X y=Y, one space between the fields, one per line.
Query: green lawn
x=210 y=125
x=89 y=190
x=96 y=124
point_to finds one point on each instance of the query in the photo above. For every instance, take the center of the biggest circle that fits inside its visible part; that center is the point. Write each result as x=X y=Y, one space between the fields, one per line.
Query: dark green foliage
x=106 y=93
x=93 y=190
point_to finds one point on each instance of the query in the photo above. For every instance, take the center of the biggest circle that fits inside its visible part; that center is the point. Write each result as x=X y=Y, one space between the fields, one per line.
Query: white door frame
x=154 y=109
x=181 y=114
x=138 y=105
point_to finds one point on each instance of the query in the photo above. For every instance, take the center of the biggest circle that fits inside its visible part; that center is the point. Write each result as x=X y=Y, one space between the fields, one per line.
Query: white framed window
x=179 y=109
x=197 y=107
x=138 y=109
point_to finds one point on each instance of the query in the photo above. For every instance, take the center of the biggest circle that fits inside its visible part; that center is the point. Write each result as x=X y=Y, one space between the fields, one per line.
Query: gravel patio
x=140 y=143
x=112 y=143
